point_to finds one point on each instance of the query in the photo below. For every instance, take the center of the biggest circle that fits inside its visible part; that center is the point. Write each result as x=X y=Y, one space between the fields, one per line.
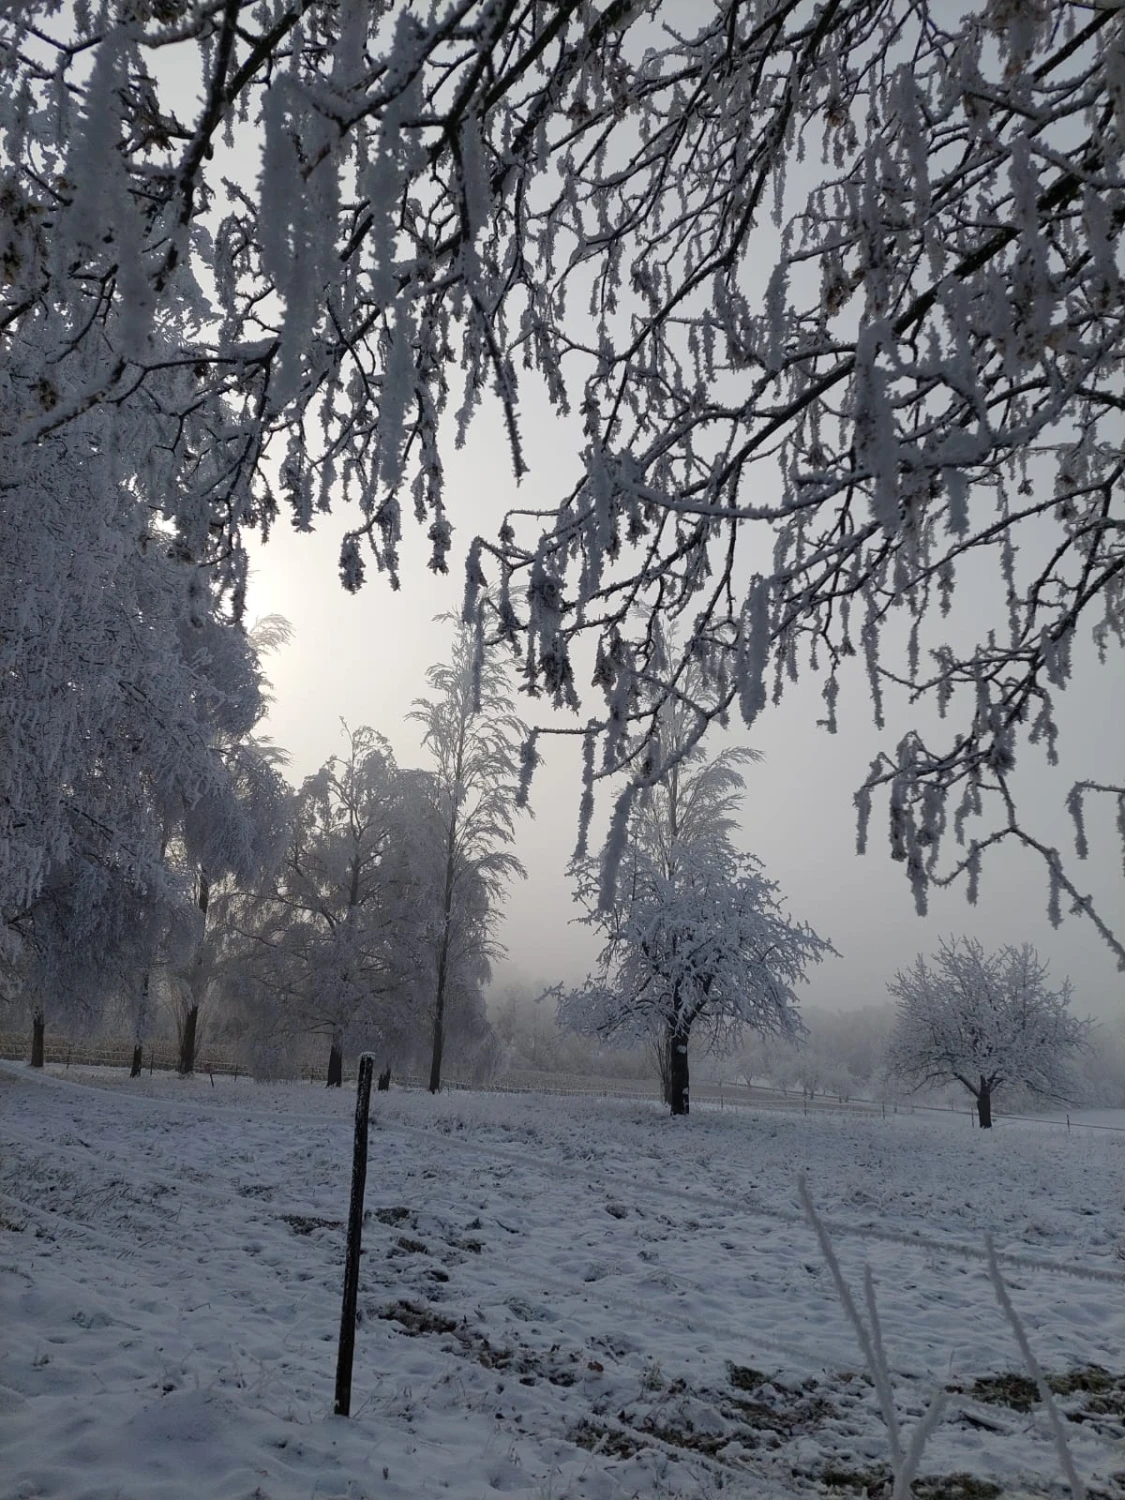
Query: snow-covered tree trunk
x=38 y=1028
x=661 y=1050
x=438 y=1044
x=186 y=1065
x=191 y=1020
x=140 y=1025
x=443 y=957
x=678 y=1091
x=984 y=1104
x=335 y=1064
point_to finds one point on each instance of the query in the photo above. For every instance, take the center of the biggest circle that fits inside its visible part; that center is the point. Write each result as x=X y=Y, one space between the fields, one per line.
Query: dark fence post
x=355 y=1230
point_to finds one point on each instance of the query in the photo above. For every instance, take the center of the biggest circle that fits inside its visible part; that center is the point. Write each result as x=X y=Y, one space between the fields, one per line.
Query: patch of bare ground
x=1087 y=1394
x=749 y=1412
x=556 y=1365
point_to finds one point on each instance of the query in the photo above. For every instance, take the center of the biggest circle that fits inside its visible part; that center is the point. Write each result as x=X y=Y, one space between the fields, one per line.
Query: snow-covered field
x=559 y=1298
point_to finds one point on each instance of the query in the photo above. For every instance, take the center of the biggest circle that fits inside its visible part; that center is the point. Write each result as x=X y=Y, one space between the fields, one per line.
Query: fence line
x=163 y=1056
x=160 y=1056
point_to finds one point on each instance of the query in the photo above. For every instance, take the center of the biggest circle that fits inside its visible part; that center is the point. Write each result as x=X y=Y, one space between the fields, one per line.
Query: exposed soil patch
x=956 y=1487
x=307 y=1223
x=392 y=1216
x=1014 y=1390
x=417 y=1318
x=1087 y=1393
x=557 y=1365
x=876 y=1481
x=776 y=1409
x=743 y=1378
x=601 y=1439
x=411 y=1247
x=1092 y=1395
x=723 y=1424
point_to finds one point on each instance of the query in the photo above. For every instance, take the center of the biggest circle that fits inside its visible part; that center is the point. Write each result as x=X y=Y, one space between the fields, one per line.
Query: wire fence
x=163 y=1056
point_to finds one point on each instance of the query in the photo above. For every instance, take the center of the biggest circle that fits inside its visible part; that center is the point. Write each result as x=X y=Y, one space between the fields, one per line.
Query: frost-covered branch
x=828 y=298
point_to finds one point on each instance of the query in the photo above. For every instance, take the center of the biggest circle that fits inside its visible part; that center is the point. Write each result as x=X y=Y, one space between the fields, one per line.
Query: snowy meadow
x=559 y=1298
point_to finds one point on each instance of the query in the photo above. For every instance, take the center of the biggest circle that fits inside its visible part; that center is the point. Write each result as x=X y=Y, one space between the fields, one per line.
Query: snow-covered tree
x=842 y=1053
x=474 y=737
x=706 y=950
x=227 y=849
x=86 y=945
x=335 y=936
x=1102 y=1074
x=833 y=289
x=696 y=941
x=230 y=837
x=123 y=666
x=985 y=1020
x=125 y=690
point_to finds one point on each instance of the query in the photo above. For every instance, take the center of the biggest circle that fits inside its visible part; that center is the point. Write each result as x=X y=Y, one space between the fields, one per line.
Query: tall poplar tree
x=474 y=738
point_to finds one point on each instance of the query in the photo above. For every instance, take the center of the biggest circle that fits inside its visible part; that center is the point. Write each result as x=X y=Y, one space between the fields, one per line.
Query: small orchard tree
x=695 y=936
x=985 y=1020
x=474 y=736
x=708 y=950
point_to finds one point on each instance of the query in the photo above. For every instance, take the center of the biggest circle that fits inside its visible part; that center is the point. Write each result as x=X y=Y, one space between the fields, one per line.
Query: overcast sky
x=363 y=658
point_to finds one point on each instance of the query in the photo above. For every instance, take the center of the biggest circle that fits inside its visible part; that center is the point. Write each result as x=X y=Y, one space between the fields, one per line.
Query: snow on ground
x=559 y=1298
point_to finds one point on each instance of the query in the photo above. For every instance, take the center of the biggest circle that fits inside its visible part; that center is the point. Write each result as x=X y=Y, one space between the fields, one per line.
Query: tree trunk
x=191 y=1022
x=335 y=1066
x=443 y=955
x=678 y=1097
x=984 y=1105
x=187 y=1043
x=38 y=1027
x=439 y=1042
x=141 y=1026
x=663 y=1050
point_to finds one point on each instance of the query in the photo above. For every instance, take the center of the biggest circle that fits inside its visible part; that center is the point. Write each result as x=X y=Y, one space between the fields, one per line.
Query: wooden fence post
x=355 y=1230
